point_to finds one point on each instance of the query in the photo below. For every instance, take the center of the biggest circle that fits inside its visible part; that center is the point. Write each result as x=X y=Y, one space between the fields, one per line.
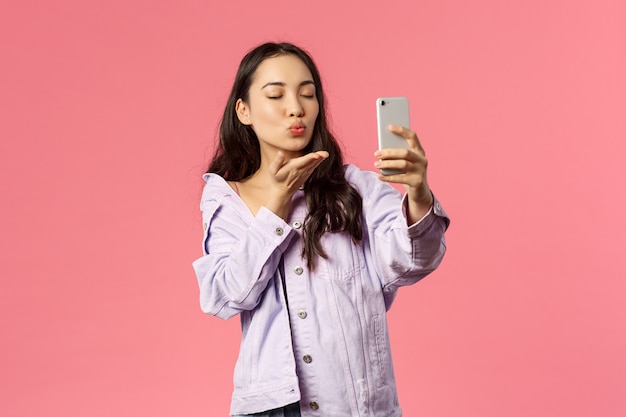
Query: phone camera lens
x=383 y=103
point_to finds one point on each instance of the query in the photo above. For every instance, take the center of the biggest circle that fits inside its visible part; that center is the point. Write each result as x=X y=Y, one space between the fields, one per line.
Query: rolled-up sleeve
x=240 y=257
x=403 y=254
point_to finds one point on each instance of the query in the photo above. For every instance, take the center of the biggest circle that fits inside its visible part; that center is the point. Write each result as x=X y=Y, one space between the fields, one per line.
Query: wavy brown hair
x=333 y=204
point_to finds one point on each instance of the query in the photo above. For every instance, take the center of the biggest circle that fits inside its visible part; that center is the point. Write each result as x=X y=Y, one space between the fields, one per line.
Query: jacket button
x=302 y=314
x=298 y=270
x=279 y=231
x=307 y=358
x=314 y=405
x=297 y=225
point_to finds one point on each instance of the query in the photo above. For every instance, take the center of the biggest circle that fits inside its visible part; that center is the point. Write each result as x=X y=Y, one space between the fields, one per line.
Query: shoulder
x=356 y=175
x=214 y=185
x=216 y=191
x=366 y=182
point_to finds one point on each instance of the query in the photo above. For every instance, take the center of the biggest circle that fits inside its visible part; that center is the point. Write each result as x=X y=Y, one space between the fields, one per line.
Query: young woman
x=308 y=251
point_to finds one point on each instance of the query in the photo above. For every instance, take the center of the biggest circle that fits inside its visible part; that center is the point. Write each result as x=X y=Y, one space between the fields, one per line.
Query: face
x=282 y=106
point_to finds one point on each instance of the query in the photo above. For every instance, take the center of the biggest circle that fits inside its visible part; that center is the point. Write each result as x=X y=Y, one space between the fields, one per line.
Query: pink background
x=108 y=113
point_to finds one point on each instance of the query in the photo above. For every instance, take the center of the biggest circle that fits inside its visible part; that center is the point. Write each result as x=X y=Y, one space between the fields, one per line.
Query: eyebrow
x=282 y=84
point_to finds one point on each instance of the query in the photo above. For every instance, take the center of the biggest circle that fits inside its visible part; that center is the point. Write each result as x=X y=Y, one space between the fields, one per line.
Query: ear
x=243 y=112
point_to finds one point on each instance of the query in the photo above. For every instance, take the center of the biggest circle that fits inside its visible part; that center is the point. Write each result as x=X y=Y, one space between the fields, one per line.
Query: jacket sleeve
x=240 y=256
x=402 y=254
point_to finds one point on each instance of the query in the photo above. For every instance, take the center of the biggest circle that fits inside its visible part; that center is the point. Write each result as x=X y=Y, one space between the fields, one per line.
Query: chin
x=299 y=143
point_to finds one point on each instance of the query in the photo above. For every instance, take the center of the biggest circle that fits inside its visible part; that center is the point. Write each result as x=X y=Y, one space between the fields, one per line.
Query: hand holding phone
x=392 y=111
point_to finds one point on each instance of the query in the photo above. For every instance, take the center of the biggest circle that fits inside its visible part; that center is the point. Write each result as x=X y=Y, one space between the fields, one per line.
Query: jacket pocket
x=345 y=258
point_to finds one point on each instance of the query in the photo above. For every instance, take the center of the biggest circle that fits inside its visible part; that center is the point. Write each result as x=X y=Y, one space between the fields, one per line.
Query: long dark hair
x=333 y=204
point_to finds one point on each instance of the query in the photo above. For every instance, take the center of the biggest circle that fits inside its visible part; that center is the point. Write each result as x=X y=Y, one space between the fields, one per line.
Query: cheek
x=264 y=112
x=274 y=110
x=314 y=110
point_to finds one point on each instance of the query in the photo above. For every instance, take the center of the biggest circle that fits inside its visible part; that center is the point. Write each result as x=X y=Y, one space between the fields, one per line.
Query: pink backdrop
x=108 y=111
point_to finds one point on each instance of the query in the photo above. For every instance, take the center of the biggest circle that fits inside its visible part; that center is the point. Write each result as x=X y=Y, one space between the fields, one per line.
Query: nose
x=295 y=108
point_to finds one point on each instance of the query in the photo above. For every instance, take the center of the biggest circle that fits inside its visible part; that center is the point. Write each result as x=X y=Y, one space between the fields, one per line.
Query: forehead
x=283 y=68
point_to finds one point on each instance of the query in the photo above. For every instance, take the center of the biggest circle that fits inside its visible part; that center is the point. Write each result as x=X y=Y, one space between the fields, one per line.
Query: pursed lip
x=297 y=128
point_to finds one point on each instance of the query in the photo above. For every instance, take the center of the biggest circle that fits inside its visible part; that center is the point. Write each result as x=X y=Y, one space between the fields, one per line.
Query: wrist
x=422 y=197
x=279 y=204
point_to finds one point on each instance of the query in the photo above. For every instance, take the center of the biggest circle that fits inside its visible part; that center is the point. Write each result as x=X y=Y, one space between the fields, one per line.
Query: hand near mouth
x=290 y=174
x=287 y=176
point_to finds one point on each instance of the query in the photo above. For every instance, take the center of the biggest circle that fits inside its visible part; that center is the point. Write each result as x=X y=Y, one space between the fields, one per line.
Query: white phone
x=392 y=111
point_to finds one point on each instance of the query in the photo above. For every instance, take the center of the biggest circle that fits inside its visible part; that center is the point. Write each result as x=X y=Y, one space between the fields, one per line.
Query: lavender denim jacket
x=329 y=349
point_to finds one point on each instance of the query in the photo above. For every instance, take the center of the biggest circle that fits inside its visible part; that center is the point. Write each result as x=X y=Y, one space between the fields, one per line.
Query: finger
x=397 y=178
x=409 y=135
x=297 y=170
x=395 y=165
x=404 y=154
x=415 y=180
x=277 y=163
x=313 y=158
x=312 y=166
x=323 y=154
x=318 y=155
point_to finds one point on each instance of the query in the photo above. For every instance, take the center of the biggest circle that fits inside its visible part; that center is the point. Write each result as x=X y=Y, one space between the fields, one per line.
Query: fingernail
x=377 y=154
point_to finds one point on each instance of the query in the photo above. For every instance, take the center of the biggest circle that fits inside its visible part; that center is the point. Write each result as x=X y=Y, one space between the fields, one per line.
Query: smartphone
x=391 y=111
